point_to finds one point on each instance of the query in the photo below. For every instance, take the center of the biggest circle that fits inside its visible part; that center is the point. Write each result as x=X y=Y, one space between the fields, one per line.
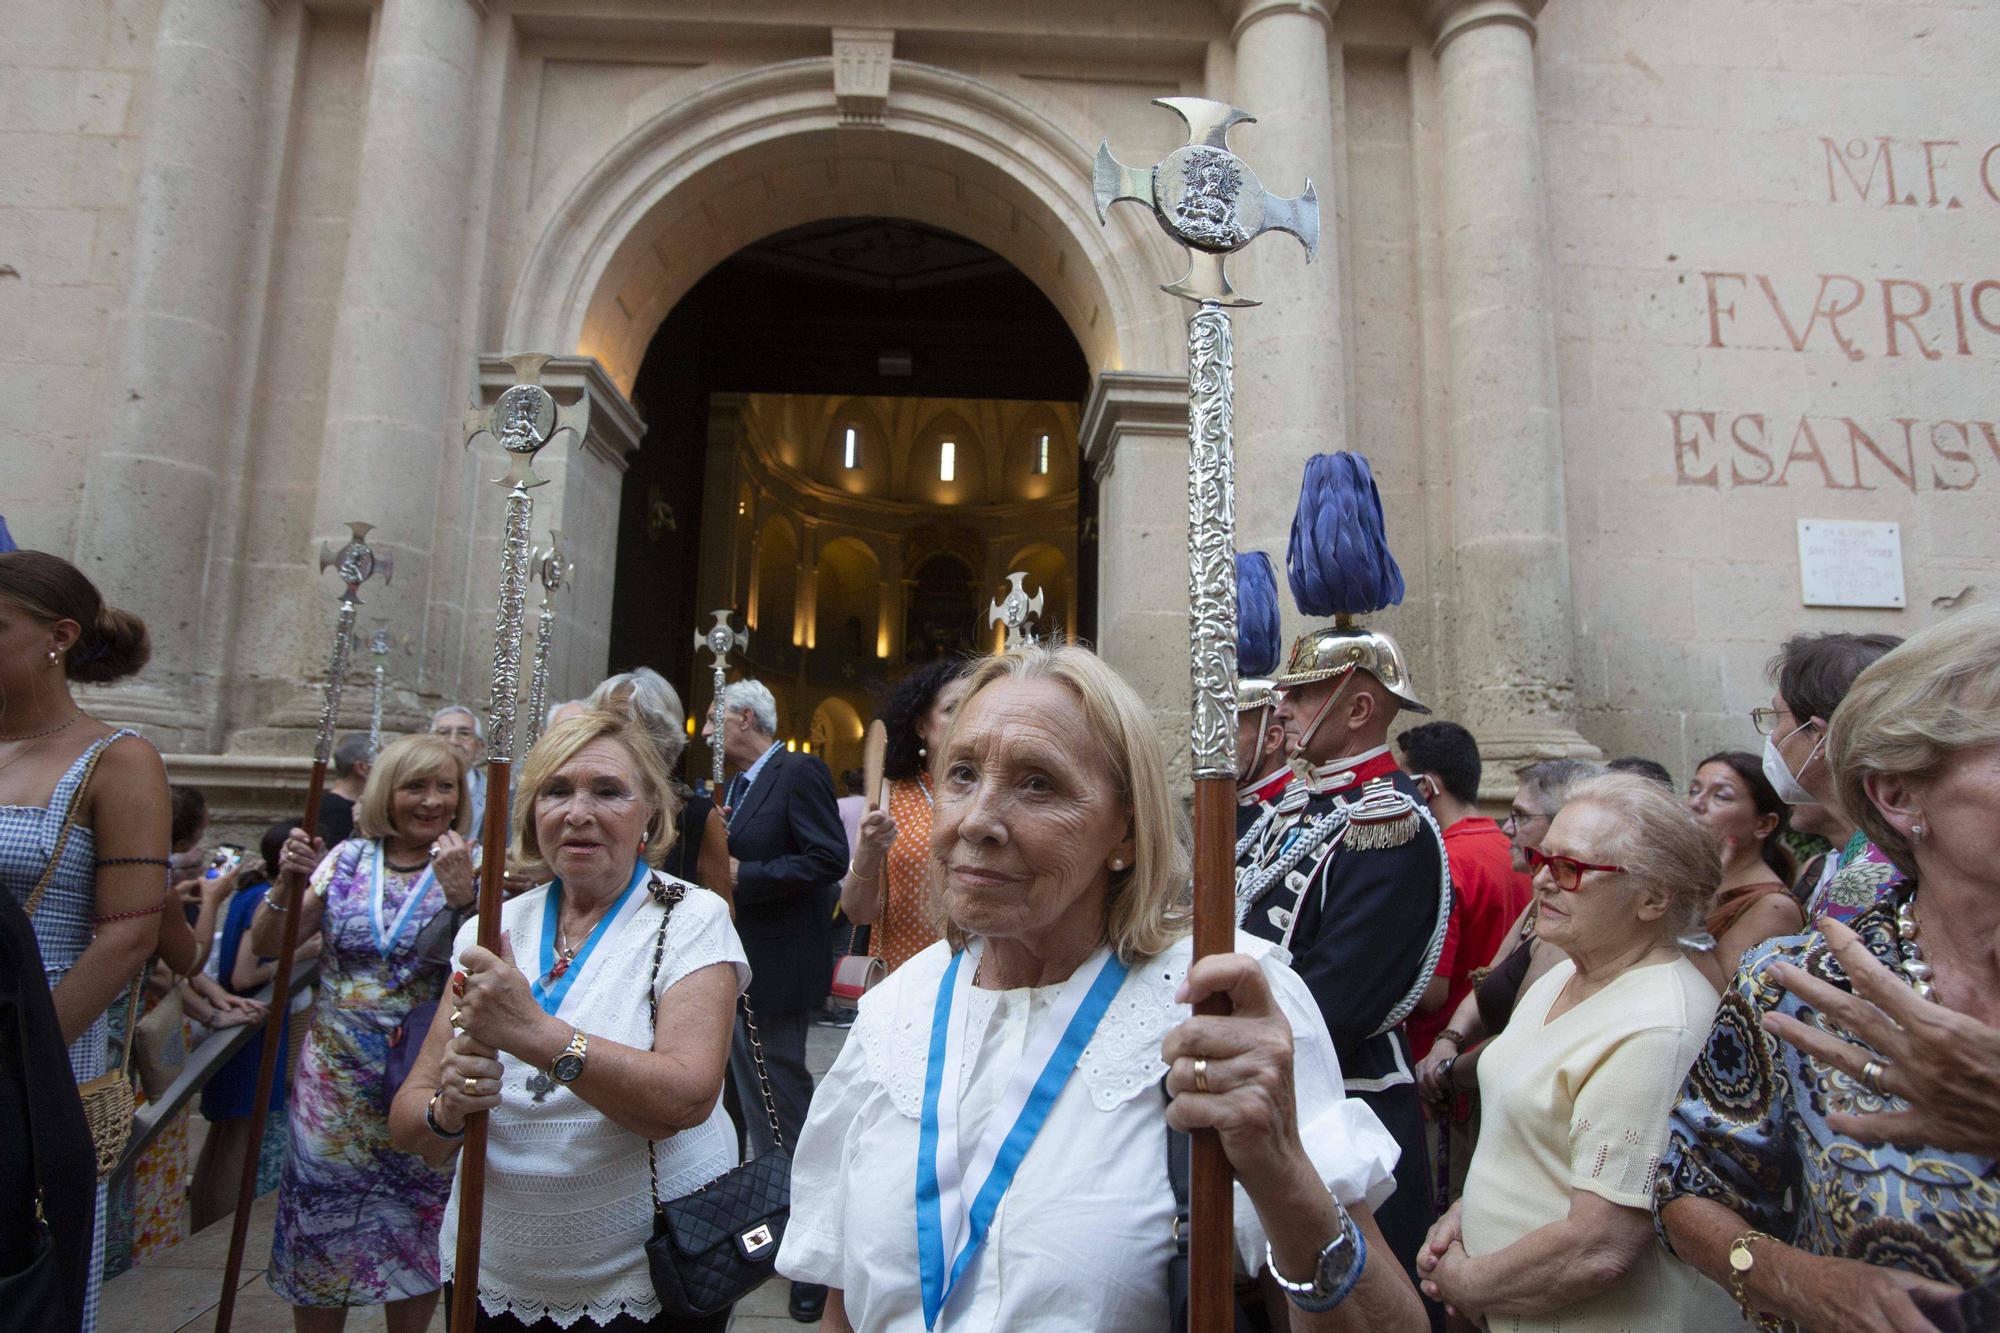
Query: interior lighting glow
x=851 y=456
x=1042 y=457
x=947 y=461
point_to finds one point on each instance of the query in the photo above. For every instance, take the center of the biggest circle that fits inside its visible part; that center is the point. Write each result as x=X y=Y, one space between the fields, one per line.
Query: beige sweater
x=1581 y=1102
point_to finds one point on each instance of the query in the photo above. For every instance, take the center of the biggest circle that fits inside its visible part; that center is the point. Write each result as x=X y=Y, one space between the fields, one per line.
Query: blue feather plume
x=1339 y=562
x=1257 y=642
x=6 y=538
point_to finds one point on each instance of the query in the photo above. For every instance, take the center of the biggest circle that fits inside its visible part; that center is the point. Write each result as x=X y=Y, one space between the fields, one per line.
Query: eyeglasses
x=1567 y=871
x=1518 y=818
x=1766 y=720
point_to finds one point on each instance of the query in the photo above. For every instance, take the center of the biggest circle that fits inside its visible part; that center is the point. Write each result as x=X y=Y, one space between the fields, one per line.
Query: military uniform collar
x=1266 y=790
x=1349 y=773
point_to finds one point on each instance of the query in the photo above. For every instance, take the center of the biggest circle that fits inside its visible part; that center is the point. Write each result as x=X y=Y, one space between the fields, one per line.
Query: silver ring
x=1871 y=1077
x=1201 y=1076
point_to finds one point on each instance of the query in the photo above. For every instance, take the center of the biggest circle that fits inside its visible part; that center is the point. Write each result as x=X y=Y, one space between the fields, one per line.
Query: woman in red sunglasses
x=1555 y=1228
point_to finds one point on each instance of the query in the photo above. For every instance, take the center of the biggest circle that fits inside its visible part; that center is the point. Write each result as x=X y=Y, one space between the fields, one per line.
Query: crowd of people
x=1639 y=1055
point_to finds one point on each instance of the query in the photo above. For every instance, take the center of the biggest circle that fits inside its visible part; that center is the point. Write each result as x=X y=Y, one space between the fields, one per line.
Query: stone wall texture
x=1613 y=292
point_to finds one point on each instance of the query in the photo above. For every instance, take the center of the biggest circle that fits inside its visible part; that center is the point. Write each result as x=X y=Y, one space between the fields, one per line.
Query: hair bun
x=115 y=647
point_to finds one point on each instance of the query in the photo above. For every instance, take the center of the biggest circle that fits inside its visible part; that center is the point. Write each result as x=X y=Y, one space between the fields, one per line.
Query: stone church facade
x=1613 y=293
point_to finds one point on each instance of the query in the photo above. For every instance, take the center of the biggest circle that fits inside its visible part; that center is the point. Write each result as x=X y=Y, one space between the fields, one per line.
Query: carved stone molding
x=1253 y=10
x=1450 y=19
x=1122 y=402
x=861 y=61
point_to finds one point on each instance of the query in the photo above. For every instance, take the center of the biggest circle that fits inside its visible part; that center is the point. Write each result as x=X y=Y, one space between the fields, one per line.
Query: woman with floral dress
x=358 y=1220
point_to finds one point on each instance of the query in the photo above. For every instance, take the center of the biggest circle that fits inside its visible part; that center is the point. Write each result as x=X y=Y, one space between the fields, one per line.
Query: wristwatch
x=1741 y=1261
x=1339 y=1268
x=569 y=1065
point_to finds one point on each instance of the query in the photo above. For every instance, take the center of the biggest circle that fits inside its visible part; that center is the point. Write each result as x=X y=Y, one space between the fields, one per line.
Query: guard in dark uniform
x=1347 y=871
x=1262 y=773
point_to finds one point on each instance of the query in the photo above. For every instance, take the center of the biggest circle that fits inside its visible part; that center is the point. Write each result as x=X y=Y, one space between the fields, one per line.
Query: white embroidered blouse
x=1082 y=1237
x=568 y=1208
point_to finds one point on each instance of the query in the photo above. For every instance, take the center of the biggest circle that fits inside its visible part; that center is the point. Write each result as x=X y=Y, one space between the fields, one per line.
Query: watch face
x=567 y=1066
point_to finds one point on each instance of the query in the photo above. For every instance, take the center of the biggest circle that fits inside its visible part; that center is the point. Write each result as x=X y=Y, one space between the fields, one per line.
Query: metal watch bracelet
x=1332 y=1278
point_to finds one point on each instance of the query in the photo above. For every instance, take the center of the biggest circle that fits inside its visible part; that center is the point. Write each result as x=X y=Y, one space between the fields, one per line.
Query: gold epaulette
x=1380 y=817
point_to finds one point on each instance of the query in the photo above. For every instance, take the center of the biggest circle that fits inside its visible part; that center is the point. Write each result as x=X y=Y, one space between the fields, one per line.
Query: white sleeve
x=814 y=1248
x=1353 y=1151
x=700 y=935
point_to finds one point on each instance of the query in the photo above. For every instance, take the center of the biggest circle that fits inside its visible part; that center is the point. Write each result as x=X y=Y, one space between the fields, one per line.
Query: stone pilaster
x=1291 y=396
x=1511 y=553
x=154 y=532
x=395 y=395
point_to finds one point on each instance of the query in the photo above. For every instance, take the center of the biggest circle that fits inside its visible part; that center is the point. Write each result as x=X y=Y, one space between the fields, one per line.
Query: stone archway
x=766 y=150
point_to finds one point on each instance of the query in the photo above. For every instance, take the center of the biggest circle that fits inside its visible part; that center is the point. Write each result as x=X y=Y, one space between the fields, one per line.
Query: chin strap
x=1297 y=760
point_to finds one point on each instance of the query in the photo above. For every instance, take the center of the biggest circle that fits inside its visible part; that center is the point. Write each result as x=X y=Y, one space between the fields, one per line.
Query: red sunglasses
x=1567 y=871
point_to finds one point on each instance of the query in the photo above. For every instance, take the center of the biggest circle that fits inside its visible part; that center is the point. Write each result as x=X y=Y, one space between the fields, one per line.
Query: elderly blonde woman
x=358 y=1220
x=1046 y=1021
x=1554 y=1229
x=700 y=851
x=596 y=1039
x=1775 y=1183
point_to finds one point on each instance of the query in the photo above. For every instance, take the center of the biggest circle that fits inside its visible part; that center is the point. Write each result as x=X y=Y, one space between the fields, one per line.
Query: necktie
x=737 y=786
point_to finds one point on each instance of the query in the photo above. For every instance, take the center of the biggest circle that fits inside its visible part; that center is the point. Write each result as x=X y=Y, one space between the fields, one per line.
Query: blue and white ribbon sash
x=549 y=991
x=385 y=940
x=950 y=1229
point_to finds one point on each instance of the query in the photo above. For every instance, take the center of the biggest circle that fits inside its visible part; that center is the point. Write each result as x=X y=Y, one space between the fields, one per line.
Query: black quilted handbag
x=713 y=1247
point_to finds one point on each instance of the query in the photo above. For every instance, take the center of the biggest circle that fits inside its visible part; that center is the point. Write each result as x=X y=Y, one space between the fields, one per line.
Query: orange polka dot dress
x=905 y=928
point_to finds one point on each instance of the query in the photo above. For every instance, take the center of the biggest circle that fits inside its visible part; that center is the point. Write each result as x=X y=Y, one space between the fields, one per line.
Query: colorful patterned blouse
x=1750 y=1132
x=905 y=928
x=1863 y=878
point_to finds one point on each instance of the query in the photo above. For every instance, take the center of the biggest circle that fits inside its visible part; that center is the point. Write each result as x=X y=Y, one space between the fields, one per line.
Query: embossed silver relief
x=355 y=563
x=336 y=676
x=1201 y=198
x=378 y=648
x=1212 y=542
x=1017 y=611
x=719 y=639
x=553 y=571
x=508 y=622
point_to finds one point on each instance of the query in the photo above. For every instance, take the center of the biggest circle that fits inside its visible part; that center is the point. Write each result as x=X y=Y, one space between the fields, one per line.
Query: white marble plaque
x=1850 y=564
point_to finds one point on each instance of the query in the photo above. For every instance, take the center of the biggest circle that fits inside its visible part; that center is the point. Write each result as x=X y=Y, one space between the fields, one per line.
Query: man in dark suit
x=787 y=850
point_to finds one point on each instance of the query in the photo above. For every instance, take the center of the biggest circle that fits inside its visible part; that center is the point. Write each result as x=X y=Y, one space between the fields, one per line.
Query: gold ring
x=471 y=1087
x=1201 y=1076
x=457 y=1021
x=1871 y=1077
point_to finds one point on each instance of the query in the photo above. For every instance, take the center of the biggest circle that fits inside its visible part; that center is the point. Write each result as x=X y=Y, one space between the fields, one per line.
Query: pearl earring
x=1916 y=830
x=1117 y=863
x=52 y=657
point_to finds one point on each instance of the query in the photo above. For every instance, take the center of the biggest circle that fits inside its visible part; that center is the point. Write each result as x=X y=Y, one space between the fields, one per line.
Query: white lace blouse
x=568 y=1207
x=1082 y=1238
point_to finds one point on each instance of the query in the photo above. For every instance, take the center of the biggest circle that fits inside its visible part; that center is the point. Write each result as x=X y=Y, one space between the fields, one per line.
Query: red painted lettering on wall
x=1806 y=450
x=1836 y=312
x=1882 y=172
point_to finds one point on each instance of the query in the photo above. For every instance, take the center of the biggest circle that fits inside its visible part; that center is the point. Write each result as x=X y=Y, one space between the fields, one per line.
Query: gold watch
x=568 y=1066
x=1741 y=1262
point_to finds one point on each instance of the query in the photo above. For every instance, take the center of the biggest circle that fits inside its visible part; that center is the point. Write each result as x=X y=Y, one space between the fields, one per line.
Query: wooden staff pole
x=472 y=1159
x=356 y=562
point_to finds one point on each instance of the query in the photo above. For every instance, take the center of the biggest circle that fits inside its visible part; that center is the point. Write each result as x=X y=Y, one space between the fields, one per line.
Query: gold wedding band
x=1201 y=1076
x=1871 y=1077
x=457 y=1021
x=471 y=1087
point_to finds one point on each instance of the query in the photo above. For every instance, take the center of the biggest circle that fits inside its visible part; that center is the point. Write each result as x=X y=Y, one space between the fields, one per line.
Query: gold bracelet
x=1741 y=1262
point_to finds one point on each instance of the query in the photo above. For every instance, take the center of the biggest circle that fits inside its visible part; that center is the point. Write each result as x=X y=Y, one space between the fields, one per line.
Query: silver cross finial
x=1016 y=610
x=356 y=562
x=1206 y=198
x=720 y=639
x=551 y=565
x=525 y=418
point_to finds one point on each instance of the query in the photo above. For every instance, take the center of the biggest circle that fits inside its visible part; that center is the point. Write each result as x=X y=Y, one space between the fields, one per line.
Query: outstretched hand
x=1944 y=1064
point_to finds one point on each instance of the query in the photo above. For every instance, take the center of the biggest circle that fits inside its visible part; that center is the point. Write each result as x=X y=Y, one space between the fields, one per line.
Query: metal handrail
x=201 y=1065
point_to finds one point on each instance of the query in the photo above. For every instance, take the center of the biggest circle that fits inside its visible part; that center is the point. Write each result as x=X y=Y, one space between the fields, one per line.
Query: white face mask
x=1779 y=773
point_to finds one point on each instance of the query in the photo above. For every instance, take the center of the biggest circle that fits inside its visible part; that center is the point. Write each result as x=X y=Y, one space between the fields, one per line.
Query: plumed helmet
x=1254 y=692
x=1334 y=650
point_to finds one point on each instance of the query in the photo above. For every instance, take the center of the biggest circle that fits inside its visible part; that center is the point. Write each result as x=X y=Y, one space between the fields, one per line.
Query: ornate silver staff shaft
x=524 y=420
x=378 y=647
x=553 y=570
x=356 y=562
x=719 y=639
x=1207 y=199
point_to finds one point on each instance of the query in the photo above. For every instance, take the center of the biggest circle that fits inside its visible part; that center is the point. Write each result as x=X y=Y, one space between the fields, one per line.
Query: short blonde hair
x=408 y=760
x=1661 y=847
x=560 y=744
x=1910 y=712
x=1148 y=906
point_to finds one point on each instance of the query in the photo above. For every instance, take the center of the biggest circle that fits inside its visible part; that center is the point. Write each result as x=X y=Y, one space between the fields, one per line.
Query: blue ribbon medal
x=550 y=989
x=949 y=1231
